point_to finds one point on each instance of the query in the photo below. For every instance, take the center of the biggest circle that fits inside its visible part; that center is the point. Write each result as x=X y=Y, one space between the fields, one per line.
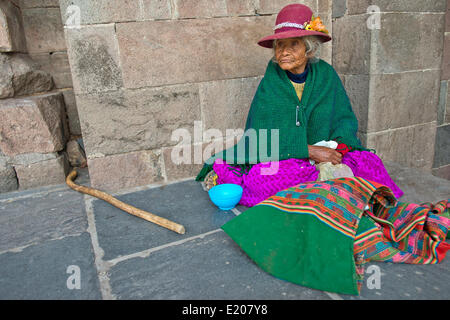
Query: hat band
x=289 y=24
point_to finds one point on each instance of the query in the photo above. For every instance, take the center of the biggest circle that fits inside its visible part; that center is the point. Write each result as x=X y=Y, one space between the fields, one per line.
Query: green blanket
x=324 y=113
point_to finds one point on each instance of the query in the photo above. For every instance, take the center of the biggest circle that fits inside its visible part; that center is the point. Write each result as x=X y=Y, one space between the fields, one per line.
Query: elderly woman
x=303 y=98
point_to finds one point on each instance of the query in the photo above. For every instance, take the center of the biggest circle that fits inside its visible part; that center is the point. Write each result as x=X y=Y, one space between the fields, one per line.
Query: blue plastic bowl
x=226 y=196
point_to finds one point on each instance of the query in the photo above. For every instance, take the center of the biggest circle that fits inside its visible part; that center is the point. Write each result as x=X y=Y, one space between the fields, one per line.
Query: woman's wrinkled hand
x=324 y=154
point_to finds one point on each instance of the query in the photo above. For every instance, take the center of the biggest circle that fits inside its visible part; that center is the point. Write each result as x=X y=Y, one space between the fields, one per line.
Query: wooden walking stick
x=178 y=228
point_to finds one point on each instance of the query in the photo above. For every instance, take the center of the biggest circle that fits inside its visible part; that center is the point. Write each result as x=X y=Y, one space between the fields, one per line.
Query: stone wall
x=143 y=69
x=391 y=68
x=442 y=155
x=34 y=99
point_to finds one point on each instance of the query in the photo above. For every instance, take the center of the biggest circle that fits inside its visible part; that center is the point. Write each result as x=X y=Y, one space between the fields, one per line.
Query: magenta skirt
x=258 y=187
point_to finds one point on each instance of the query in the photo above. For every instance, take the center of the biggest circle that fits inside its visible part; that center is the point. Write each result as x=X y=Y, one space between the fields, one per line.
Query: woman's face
x=291 y=55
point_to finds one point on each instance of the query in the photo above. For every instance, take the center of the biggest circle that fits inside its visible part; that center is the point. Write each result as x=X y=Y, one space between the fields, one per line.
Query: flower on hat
x=316 y=25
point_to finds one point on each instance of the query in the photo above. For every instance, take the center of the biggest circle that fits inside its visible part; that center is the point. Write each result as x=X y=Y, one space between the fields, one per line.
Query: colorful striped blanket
x=321 y=234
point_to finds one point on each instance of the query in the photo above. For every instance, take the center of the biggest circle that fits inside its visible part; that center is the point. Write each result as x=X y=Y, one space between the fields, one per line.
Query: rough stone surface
x=274 y=6
x=57 y=65
x=395 y=100
x=20 y=76
x=117 y=172
x=31 y=158
x=357 y=87
x=33 y=124
x=179 y=164
x=442 y=106
x=447 y=112
x=106 y=11
x=442 y=172
x=76 y=155
x=25 y=4
x=360 y=6
x=8 y=179
x=204 y=50
x=225 y=104
x=201 y=8
x=239 y=7
x=400 y=145
x=132 y=120
x=12 y=37
x=49 y=172
x=339 y=8
x=72 y=111
x=94 y=58
x=395 y=41
x=43 y=30
x=442 y=155
x=446 y=57
x=351 y=45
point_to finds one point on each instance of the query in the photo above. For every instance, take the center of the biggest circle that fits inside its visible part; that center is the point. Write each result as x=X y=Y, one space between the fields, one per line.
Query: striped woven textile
x=321 y=234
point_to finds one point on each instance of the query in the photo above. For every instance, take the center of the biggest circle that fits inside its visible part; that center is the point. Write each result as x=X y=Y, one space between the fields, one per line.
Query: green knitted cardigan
x=324 y=113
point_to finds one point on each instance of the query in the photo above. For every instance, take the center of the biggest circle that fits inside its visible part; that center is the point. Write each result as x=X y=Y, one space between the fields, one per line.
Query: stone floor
x=52 y=237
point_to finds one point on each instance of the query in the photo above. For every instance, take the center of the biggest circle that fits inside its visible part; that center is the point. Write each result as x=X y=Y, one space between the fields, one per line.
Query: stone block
x=155 y=53
x=71 y=111
x=122 y=171
x=43 y=173
x=403 y=99
x=200 y=8
x=57 y=65
x=442 y=172
x=25 y=4
x=358 y=88
x=446 y=58
x=398 y=49
x=239 y=7
x=325 y=6
x=20 y=76
x=94 y=58
x=360 y=6
x=132 y=120
x=411 y=146
x=33 y=124
x=351 y=45
x=225 y=103
x=339 y=8
x=274 y=6
x=8 y=179
x=442 y=106
x=109 y=11
x=187 y=169
x=442 y=149
x=447 y=17
x=447 y=112
x=31 y=158
x=12 y=37
x=43 y=30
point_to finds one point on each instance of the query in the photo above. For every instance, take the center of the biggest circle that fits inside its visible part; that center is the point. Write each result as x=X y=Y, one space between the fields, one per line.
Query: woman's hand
x=324 y=154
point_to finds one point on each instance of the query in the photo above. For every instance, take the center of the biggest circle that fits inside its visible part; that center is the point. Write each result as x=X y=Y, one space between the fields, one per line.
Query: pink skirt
x=259 y=184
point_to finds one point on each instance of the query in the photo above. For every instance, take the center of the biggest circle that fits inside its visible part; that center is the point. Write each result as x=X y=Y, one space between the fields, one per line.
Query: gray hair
x=313 y=46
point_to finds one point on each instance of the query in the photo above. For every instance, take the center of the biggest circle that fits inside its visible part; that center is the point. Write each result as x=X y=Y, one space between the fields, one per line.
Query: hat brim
x=267 y=42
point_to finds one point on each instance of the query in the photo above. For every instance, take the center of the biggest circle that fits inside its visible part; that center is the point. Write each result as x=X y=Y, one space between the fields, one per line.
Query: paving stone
x=41 y=272
x=27 y=218
x=120 y=233
x=212 y=268
x=407 y=282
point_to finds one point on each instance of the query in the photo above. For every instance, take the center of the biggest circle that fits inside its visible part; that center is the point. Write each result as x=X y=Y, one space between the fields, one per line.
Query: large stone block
x=19 y=76
x=411 y=146
x=239 y=7
x=200 y=8
x=25 y=4
x=33 y=124
x=43 y=173
x=403 y=99
x=43 y=30
x=225 y=103
x=94 y=58
x=108 y=11
x=447 y=17
x=274 y=6
x=442 y=154
x=155 y=53
x=351 y=45
x=398 y=49
x=57 y=65
x=442 y=106
x=122 y=171
x=175 y=168
x=12 y=37
x=442 y=172
x=360 y=6
x=447 y=112
x=132 y=120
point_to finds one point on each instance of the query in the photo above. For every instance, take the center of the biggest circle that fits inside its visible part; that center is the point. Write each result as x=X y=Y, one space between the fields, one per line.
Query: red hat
x=296 y=20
